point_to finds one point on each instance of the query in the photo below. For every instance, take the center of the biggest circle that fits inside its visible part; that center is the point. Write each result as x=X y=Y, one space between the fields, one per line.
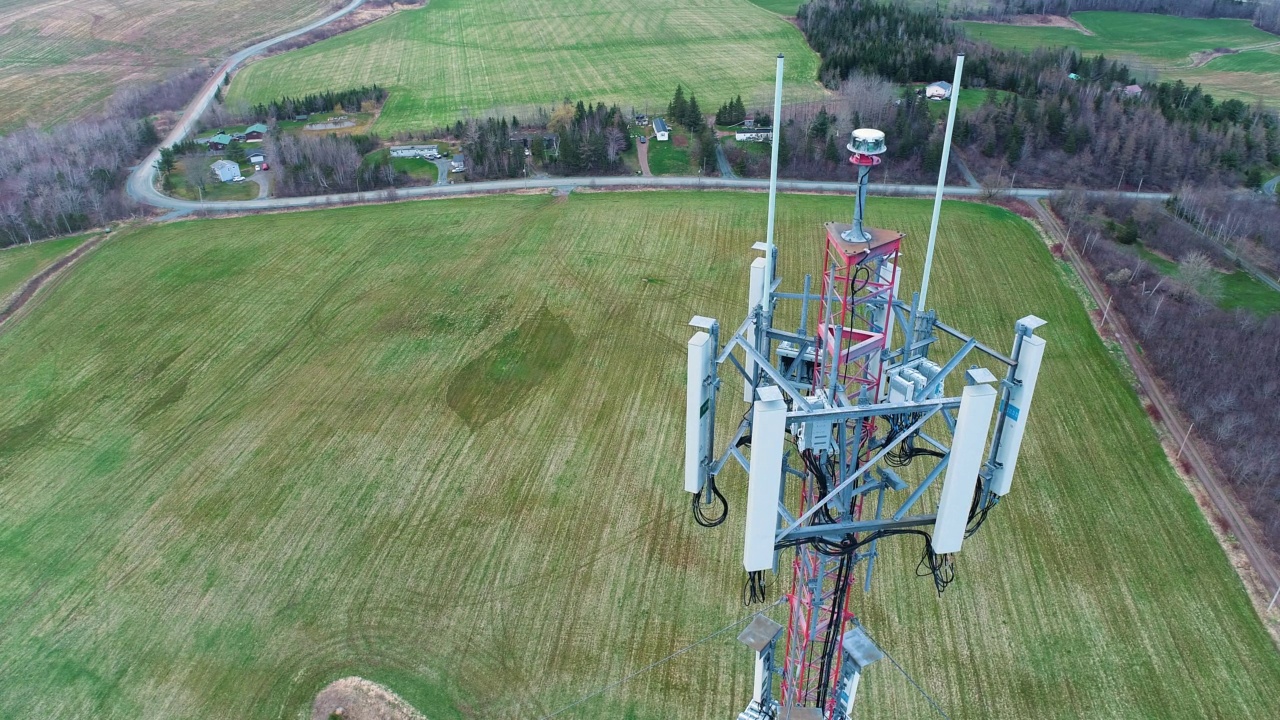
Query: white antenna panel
x=1014 y=419
x=755 y=294
x=973 y=421
x=768 y=429
x=697 y=422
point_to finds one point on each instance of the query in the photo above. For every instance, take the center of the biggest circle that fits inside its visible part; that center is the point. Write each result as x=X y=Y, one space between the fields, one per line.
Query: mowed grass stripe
x=231 y=473
x=453 y=58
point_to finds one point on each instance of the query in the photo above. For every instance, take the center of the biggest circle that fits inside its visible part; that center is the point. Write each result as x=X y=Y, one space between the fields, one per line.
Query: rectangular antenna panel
x=931 y=370
x=918 y=380
x=768 y=427
x=1014 y=420
x=755 y=293
x=698 y=419
x=973 y=421
x=900 y=389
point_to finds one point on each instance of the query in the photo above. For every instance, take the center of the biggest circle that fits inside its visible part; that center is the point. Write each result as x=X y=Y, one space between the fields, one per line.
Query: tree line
x=353 y=100
x=1220 y=364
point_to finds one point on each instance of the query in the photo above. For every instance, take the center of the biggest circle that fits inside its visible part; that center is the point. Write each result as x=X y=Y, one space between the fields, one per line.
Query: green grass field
x=786 y=8
x=459 y=58
x=1163 y=45
x=19 y=263
x=244 y=457
x=1239 y=288
x=59 y=59
x=667 y=159
x=418 y=168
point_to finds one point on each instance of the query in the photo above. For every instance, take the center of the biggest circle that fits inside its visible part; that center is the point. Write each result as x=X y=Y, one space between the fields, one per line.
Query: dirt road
x=642 y=152
x=1170 y=416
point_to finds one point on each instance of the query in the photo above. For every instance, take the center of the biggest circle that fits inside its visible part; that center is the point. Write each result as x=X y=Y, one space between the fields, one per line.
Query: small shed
x=257 y=157
x=255 y=132
x=225 y=170
x=219 y=141
x=551 y=145
x=940 y=90
x=660 y=130
x=1133 y=90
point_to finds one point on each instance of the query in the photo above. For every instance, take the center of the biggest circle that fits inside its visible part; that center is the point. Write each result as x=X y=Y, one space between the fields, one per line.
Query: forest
x=588 y=140
x=71 y=177
x=1049 y=117
x=1220 y=364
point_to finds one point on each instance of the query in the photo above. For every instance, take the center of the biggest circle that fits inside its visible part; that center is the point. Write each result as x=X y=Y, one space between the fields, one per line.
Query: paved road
x=263 y=178
x=1170 y=415
x=722 y=161
x=150 y=196
x=142 y=181
x=442 y=171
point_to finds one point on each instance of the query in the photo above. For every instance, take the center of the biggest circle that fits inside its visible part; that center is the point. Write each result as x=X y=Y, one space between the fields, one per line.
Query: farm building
x=220 y=141
x=255 y=132
x=429 y=152
x=1133 y=91
x=257 y=157
x=459 y=163
x=940 y=90
x=753 y=136
x=225 y=170
x=660 y=129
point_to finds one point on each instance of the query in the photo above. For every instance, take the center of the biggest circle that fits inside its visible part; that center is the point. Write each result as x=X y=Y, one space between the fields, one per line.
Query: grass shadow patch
x=507 y=374
x=170 y=396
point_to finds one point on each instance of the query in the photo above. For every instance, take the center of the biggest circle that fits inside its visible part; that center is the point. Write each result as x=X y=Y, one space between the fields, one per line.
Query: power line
x=910 y=679
x=672 y=656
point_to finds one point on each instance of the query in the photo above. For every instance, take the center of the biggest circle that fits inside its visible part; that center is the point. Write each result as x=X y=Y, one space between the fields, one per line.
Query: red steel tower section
x=859 y=278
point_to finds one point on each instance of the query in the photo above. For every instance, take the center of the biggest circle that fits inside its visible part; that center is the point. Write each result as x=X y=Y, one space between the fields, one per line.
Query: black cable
x=831 y=641
x=754 y=590
x=699 y=513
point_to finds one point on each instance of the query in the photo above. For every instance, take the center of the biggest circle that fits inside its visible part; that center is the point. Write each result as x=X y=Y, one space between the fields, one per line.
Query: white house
x=458 y=164
x=430 y=152
x=940 y=90
x=226 y=170
x=660 y=130
x=753 y=136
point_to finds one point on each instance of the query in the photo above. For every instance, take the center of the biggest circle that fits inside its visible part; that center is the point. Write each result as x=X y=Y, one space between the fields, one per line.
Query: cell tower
x=837 y=412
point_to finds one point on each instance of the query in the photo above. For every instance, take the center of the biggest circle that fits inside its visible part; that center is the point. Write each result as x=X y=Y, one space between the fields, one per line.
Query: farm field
x=1164 y=46
x=61 y=58
x=459 y=58
x=786 y=8
x=18 y=263
x=438 y=445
